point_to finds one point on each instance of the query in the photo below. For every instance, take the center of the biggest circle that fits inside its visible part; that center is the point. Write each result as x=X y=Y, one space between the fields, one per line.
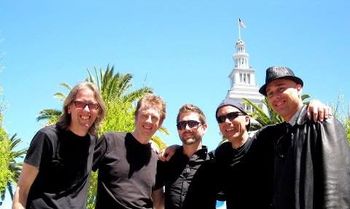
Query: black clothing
x=64 y=161
x=204 y=189
x=246 y=173
x=312 y=166
x=177 y=174
x=127 y=171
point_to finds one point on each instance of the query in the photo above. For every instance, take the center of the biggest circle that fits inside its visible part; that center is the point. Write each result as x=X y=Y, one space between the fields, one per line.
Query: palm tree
x=51 y=115
x=116 y=86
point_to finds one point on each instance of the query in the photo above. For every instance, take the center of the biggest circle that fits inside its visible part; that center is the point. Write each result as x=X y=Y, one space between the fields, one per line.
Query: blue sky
x=182 y=49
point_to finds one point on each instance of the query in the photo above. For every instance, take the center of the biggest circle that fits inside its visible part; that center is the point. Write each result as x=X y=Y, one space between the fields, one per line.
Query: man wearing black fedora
x=311 y=159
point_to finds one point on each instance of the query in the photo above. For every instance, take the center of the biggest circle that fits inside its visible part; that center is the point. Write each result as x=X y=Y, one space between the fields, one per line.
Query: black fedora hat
x=273 y=73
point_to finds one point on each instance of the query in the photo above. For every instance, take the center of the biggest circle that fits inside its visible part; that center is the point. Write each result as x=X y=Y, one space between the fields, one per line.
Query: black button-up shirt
x=177 y=174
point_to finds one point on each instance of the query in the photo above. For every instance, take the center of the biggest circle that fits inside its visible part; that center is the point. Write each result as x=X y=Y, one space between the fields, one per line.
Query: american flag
x=241 y=23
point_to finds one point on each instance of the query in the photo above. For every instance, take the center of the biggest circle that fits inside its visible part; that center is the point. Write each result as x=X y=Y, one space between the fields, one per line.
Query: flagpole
x=239 y=30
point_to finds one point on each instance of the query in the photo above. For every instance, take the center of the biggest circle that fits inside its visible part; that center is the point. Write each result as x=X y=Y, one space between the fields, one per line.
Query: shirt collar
x=201 y=153
x=298 y=116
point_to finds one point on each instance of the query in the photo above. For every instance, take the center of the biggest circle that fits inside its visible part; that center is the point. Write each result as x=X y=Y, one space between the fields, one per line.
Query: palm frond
x=49 y=114
x=66 y=85
x=262 y=116
x=60 y=96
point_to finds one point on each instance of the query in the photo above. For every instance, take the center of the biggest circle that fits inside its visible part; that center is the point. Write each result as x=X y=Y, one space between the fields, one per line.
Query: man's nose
x=86 y=108
x=149 y=119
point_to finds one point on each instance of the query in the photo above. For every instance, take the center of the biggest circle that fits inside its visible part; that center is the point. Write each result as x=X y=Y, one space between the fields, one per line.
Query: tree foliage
x=347 y=128
x=261 y=116
x=341 y=110
x=10 y=168
x=5 y=173
x=50 y=115
x=116 y=86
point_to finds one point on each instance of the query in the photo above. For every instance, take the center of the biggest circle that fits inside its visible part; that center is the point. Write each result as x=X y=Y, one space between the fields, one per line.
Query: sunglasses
x=190 y=123
x=82 y=105
x=231 y=116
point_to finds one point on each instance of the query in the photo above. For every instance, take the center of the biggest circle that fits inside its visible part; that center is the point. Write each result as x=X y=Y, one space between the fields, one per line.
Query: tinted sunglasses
x=231 y=116
x=190 y=123
x=82 y=105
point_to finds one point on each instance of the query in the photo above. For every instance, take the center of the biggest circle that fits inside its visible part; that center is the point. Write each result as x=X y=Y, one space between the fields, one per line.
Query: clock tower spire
x=242 y=77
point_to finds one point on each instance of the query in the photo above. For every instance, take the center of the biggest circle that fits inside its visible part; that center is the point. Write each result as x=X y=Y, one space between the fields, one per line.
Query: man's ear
x=247 y=119
x=299 y=89
x=68 y=109
x=205 y=126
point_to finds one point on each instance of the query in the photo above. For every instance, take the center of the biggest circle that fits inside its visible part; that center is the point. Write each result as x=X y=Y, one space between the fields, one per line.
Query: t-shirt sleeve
x=161 y=174
x=99 y=152
x=38 y=150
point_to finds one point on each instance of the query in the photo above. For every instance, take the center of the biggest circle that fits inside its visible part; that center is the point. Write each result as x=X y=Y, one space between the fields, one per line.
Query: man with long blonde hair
x=56 y=168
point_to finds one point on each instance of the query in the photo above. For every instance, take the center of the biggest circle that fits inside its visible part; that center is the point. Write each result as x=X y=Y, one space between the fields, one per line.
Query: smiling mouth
x=232 y=129
x=147 y=127
x=85 y=117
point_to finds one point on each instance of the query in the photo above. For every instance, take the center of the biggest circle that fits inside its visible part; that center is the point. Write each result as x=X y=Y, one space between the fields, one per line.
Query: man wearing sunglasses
x=311 y=159
x=177 y=174
x=245 y=164
x=56 y=169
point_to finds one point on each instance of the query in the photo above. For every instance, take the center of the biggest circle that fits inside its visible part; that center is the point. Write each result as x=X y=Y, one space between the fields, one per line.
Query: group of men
x=298 y=164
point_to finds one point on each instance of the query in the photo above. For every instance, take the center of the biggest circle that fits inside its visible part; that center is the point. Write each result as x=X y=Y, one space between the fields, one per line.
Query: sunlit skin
x=191 y=136
x=284 y=96
x=82 y=118
x=147 y=122
x=234 y=131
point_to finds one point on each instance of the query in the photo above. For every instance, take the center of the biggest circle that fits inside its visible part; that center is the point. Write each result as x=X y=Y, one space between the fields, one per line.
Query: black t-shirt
x=127 y=172
x=64 y=161
x=247 y=173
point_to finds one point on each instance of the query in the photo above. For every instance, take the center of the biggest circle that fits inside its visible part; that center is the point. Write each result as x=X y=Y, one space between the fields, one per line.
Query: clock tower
x=243 y=80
